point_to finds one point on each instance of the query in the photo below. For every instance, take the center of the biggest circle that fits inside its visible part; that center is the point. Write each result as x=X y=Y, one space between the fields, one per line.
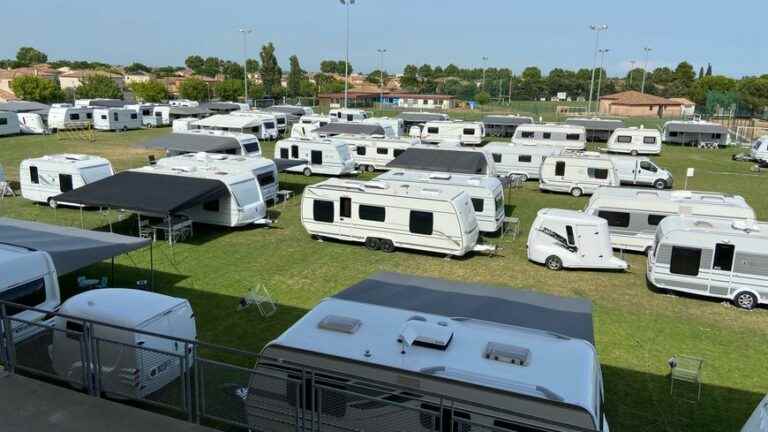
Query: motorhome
x=759 y=150
x=210 y=141
x=458 y=160
x=30 y=123
x=115 y=119
x=577 y=173
x=348 y=115
x=162 y=115
x=394 y=127
x=519 y=159
x=486 y=193
x=385 y=216
x=758 y=421
x=254 y=124
x=322 y=156
x=504 y=125
x=695 y=133
x=641 y=171
x=372 y=153
x=45 y=177
x=717 y=258
x=635 y=141
x=634 y=214
x=134 y=359
x=9 y=123
x=467 y=133
x=569 y=137
x=68 y=117
x=570 y=239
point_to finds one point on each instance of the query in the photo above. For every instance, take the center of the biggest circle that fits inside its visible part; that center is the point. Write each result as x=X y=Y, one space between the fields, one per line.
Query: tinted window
x=382 y=151
x=322 y=211
x=146 y=112
x=723 y=257
x=371 y=213
x=88 y=115
x=283 y=153
x=477 y=203
x=648 y=166
x=134 y=116
x=468 y=131
x=266 y=178
x=524 y=158
x=685 y=261
x=421 y=222
x=624 y=139
x=345 y=209
x=615 y=219
x=74 y=116
x=3 y=121
x=33 y=177
x=211 y=206
x=28 y=294
x=294 y=151
x=598 y=173
x=397 y=153
x=252 y=147
x=571 y=237
x=649 y=140
x=526 y=134
x=317 y=157
x=361 y=150
x=115 y=116
x=496 y=157
x=573 y=137
x=654 y=220
x=65 y=182
x=560 y=168
x=547 y=135
x=103 y=116
x=433 y=130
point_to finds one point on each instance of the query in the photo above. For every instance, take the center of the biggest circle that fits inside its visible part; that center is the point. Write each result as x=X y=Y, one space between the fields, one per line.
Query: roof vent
x=504 y=353
x=440 y=176
x=183 y=169
x=747 y=226
x=425 y=334
x=704 y=224
x=682 y=194
x=340 y=324
x=376 y=184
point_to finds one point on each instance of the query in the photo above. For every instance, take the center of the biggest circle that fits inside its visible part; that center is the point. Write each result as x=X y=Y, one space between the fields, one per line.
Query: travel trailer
x=145 y=112
x=758 y=421
x=569 y=137
x=65 y=116
x=695 y=133
x=43 y=178
x=467 y=133
x=394 y=127
x=486 y=193
x=519 y=159
x=635 y=141
x=255 y=124
x=209 y=141
x=348 y=115
x=598 y=129
x=30 y=123
x=9 y=123
x=372 y=153
x=577 y=173
x=385 y=216
x=322 y=156
x=759 y=150
x=162 y=115
x=184 y=124
x=281 y=119
x=570 y=239
x=711 y=257
x=115 y=119
x=133 y=364
x=504 y=125
x=458 y=160
x=641 y=171
x=270 y=127
x=634 y=214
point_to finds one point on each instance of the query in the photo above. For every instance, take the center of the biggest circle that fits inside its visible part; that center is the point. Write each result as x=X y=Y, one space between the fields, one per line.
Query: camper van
x=394 y=127
x=486 y=193
x=519 y=159
x=65 y=116
x=467 y=133
x=635 y=141
x=372 y=153
x=9 y=123
x=759 y=150
x=45 y=177
x=31 y=123
x=348 y=115
x=570 y=239
x=115 y=119
x=133 y=364
x=577 y=173
x=711 y=257
x=634 y=214
x=569 y=137
x=256 y=124
x=322 y=156
x=641 y=171
x=386 y=216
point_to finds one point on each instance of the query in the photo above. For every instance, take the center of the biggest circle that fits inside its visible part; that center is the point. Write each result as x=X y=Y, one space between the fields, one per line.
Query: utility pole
x=245 y=33
x=347 y=4
x=597 y=28
x=603 y=52
x=645 y=68
x=381 y=52
x=485 y=66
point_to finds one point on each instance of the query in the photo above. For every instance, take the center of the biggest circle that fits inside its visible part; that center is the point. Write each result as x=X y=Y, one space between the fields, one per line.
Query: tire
x=577 y=192
x=372 y=243
x=370 y=168
x=554 y=263
x=745 y=300
x=125 y=129
x=387 y=246
x=52 y=203
x=307 y=172
x=633 y=153
x=524 y=177
x=660 y=184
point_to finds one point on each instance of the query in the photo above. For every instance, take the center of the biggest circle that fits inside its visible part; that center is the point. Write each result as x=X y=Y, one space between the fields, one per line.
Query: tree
x=194 y=62
x=137 y=67
x=684 y=72
x=328 y=66
x=34 y=88
x=253 y=67
x=271 y=74
x=27 y=56
x=229 y=89
x=754 y=93
x=701 y=72
x=96 y=86
x=426 y=81
x=709 y=69
x=152 y=91
x=211 y=67
x=295 y=77
x=483 y=97
x=532 y=85
x=375 y=77
x=194 y=89
x=706 y=84
x=232 y=70
x=341 y=69
x=166 y=71
x=410 y=78
x=328 y=84
x=451 y=70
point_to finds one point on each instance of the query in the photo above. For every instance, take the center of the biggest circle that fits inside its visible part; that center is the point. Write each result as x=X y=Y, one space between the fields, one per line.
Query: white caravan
x=464 y=132
x=570 y=239
x=249 y=144
x=64 y=116
x=311 y=119
x=710 y=257
x=519 y=159
x=184 y=125
x=322 y=156
x=758 y=421
x=569 y=137
x=269 y=127
x=641 y=171
x=43 y=178
x=759 y=150
x=30 y=123
x=29 y=279
x=9 y=123
x=254 y=124
x=577 y=173
x=263 y=170
x=486 y=193
x=348 y=115
x=394 y=127
x=162 y=115
x=372 y=153
x=634 y=214
x=133 y=364
x=145 y=114
x=635 y=141
x=387 y=216
x=281 y=119
x=115 y=119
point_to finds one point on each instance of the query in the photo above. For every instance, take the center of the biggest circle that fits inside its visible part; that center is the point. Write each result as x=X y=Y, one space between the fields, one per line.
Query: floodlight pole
x=597 y=29
x=603 y=52
x=245 y=33
x=631 y=72
x=381 y=52
x=485 y=66
x=347 y=4
x=645 y=68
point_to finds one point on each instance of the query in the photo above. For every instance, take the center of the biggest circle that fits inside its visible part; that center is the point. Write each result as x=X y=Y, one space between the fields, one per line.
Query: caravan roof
x=526 y=148
x=548 y=127
x=695 y=126
x=671 y=200
x=230 y=121
x=596 y=123
x=122 y=307
x=70 y=160
x=382 y=187
x=425 y=158
x=195 y=141
x=422 y=117
x=723 y=228
x=24 y=106
x=337 y=128
x=454 y=179
x=507 y=120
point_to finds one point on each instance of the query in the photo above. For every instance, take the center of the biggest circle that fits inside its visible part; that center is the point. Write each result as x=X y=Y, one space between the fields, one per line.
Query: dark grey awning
x=421 y=117
x=107 y=103
x=506 y=120
x=194 y=143
x=596 y=123
x=296 y=111
x=350 y=128
x=221 y=106
x=24 y=106
x=70 y=248
x=695 y=127
x=189 y=111
x=449 y=161
x=570 y=317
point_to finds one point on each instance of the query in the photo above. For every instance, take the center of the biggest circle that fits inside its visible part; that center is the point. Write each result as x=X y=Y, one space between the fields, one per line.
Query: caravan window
x=74 y=116
x=103 y=116
x=28 y=294
x=211 y=206
x=496 y=157
x=3 y=121
x=560 y=168
x=571 y=237
x=468 y=131
x=283 y=153
x=345 y=209
x=433 y=130
x=255 y=129
x=573 y=137
x=294 y=152
x=723 y=257
x=624 y=139
x=673 y=134
x=526 y=134
x=246 y=192
x=477 y=203
x=421 y=222
x=615 y=219
x=361 y=150
x=65 y=182
x=382 y=151
x=547 y=135
x=146 y=112
x=524 y=158
x=89 y=115
x=685 y=261
x=350 y=117
x=266 y=178
x=397 y=152
x=648 y=166
x=115 y=116
x=371 y=213
x=252 y=147
x=134 y=116
x=317 y=157
x=322 y=211
x=654 y=220
x=597 y=173
x=649 y=140
x=33 y=176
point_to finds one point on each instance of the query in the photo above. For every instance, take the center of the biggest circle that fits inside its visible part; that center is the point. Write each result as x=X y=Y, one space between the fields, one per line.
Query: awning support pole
x=113 y=273
x=151 y=268
x=82 y=222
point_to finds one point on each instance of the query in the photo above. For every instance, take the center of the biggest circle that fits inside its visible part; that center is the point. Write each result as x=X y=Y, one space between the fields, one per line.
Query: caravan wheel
x=370 y=168
x=307 y=172
x=372 y=243
x=554 y=262
x=745 y=300
x=576 y=192
x=633 y=153
x=52 y=203
x=125 y=129
x=387 y=246
x=523 y=177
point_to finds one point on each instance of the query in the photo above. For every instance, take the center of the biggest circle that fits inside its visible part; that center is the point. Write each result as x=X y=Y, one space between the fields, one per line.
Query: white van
x=31 y=123
x=64 y=116
x=486 y=193
x=387 y=216
x=372 y=153
x=145 y=113
x=115 y=119
x=133 y=364
x=322 y=156
x=711 y=257
x=43 y=178
x=520 y=159
x=570 y=239
x=9 y=123
x=577 y=173
x=464 y=132
x=348 y=115
x=569 y=137
x=635 y=141
x=641 y=171
x=759 y=150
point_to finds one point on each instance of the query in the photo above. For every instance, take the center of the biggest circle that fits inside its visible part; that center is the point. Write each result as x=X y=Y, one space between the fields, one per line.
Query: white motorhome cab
x=322 y=156
x=759 y=150
x=641 y=171
x=570 y=239
x=45 y=177
x=373 y=152
x=635 y=141
x=348 y=115
x=713 y=258
x=69 y=117
x=569 y=137
x=9 y=123
x=577 y=173
x=633 y=215
x=269 y=128
x=249 y=144
x=133 y=364
x=31 y=123
x=486 y=193
x=240 y=122
x=28 y=278
x=115 y=119
x=758 y=421
x=394 y=127
x=519 y=159
x=387 y=216
x=467 y=133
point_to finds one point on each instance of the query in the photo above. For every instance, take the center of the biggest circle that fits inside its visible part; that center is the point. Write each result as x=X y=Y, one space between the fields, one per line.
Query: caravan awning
x=194 y=143
x=70 y=248
x=506 y=120
x=334 y=128
x=570 y=317
x=189 y=111
x=609 y=125
x=695 y=127
x=449 y=161
x=146 y=193
x=421 y=117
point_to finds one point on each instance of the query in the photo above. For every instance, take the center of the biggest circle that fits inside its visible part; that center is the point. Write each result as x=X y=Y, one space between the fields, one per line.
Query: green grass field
x=637 y=330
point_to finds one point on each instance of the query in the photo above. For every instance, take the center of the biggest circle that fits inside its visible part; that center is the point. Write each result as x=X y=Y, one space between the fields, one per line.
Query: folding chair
x=261 y=298
x=686 y=369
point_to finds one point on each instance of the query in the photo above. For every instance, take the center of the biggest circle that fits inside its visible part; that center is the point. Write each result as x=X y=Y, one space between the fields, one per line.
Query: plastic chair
x=686 y=369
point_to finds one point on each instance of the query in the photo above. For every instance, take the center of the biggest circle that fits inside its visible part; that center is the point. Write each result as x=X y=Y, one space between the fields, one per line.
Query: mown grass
x=636 y=330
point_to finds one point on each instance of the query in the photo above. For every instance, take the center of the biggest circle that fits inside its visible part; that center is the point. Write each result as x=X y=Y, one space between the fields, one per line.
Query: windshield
x=648 y=166
x=246 y=192
x=96 y=173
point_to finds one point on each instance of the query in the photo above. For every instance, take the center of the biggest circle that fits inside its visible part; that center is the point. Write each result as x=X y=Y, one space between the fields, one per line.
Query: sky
x=512 y=34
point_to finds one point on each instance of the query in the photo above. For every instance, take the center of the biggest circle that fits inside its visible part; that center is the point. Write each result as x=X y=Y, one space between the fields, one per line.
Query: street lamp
x=603 y=52
x=485 y=66
x=597 y=28
x=645 y=68
x=245 y=33
x=381 y=52
x=346 y=3
x=631 y=72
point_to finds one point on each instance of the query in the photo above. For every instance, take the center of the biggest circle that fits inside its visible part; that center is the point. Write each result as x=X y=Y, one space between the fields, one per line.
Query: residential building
x=134 y=77
x=8 y=75
x=73 y=78
x=689 y=107
x=635 y=104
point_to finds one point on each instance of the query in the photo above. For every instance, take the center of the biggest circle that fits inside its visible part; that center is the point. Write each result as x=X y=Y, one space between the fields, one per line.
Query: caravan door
x=588 y=240
x=721 y=276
